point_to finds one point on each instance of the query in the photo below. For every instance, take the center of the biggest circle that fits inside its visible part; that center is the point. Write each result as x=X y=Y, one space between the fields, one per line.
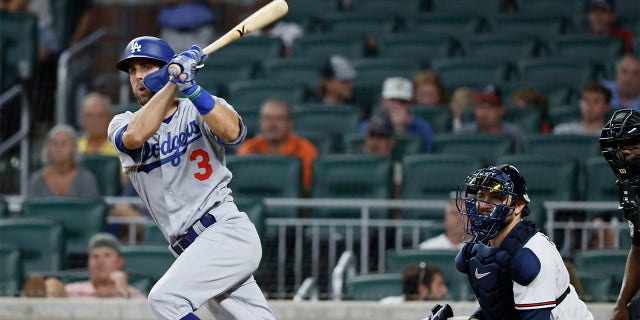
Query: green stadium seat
x=608 y=264
x=19 y=33
x=600 y=182
x=122 y=108
x=4 y=208
x=406 y=144
x=416 y=46
x=323 y=141
x=626 y=7
x=471 y=71
x=351 y=176
x=387 y=7
x=507 y=46
x=107 y=172
x=62 y=21
x=378 y=69
x=485 y=147
x=459 y=288
x=151 y=261
x=596 y=287
x=221 y=71
x=574 y=147
x=555 y=92
x=566 y=8
x=81 y=218
x=151 y=235
x=252 y=206
x=463 y=6
x=366 y=92
x=255 y=92
x=547 y=25
x=359 y=23
x=252 y=48
x=568 y=71
x=10 y=271
x=302 y=70
x=335 y=121
x=251 y=118
x=321 y=46
x=587 y=46
x=452 y=23
x=439 y=117
x=373 y=286
x=311 y=8
x=528 y=118
x=563 y=113
x=40 y=241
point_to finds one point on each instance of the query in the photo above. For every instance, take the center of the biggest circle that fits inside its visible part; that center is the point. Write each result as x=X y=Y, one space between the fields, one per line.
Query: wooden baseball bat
x=271 y=12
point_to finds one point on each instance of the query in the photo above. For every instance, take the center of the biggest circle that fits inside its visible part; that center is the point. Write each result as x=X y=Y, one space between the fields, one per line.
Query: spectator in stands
x=286 y=31
x=107 y=280
x=451 y=239
x=625 y=89
x=184 y=23
x=276 y=137
x=420 y=281
x=428 y=89
x=62 y=174
x=336 y=86
x=396 y=99
x=489 y=112
x=602 y=21
x=461 y=99
x=379 y=139
x=532 y=98
x=96 y=115
x=594 y=107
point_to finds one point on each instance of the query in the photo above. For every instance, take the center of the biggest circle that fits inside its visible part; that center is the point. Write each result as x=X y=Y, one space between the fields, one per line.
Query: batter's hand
x=187 y=62
x=620 y=313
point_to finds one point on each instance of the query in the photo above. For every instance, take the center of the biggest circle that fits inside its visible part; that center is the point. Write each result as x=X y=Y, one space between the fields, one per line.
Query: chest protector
x=488 y=270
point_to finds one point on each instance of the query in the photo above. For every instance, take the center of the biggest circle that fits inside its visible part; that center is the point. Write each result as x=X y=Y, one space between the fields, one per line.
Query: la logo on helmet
x=136 y=47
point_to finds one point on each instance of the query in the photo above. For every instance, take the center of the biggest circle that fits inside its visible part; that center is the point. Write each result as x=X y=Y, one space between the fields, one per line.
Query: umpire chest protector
x=492 y=270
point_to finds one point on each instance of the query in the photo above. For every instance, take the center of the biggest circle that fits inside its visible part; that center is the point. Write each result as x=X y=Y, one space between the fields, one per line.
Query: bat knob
x=174 y=70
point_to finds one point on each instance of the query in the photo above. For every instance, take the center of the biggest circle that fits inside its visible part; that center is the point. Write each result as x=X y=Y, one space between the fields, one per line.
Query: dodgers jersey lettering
x=182 y=156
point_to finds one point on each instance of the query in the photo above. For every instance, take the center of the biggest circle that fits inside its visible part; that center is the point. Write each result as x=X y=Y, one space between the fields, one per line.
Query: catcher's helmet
x=145 y=47
x=503 y=180
x=622 y=130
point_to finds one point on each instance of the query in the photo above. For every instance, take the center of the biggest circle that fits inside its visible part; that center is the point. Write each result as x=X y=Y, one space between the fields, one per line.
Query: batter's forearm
x=631 y=280
x=224 y=122
x=147 y=120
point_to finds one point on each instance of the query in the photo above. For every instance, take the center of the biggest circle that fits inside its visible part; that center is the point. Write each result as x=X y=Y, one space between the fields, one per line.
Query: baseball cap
x=606 y=4
x=490 y=94
x=380 y=124
x=338 y=67
x=103 y=239
x=397 y=88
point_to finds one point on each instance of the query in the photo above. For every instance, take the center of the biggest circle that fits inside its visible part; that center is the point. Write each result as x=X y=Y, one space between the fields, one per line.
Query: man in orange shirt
x=276 y=137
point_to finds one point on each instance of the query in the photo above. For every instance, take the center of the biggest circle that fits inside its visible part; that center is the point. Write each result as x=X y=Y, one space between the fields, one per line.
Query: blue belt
x=196 y=229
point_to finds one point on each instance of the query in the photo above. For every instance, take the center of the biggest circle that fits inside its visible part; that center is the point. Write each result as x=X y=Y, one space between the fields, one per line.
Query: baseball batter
x=516 y=272
x=172 y=151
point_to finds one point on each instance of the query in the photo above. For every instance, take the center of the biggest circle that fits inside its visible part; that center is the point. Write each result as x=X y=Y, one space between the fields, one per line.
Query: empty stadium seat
x=302 y=70
x=556 y=93
x=487 y=7
x=596 y=286
x=597 y=48
x=459 y=288
x=255 y=92
x=360 y=23
x=563 y=113
x=251 y=118
x=547 y=25
x=4 y=208
x=378 y=69
x=40 y=241
x=19 y=33
x=439 y=117
x=252 y=48
x=528 y=118
x=600 y=182
x=566 y=8
x=508 y=46
x=221 y=71
x=419 y=47
x=351 y=176
x=152 y=261
x=366 y=92
x=485 y=148
x=335 y=121
x=568 y=71
x=471 y=71
x=10 y=271
x=107 y=172
x=406 y=144
x=387 y=7
x=373 y=286
x=321 y=46
x=453 y=23
x=574 y=147
x=122 y=108
x=82 y=218
x=323 y=141
x=608 y=264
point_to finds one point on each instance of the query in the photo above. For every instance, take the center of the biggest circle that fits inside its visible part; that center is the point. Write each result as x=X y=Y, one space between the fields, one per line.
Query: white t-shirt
x=440 y=242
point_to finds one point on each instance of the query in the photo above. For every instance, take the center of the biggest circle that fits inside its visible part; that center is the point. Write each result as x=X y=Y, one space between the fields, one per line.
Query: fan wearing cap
x=380 y=139
x=515 y=271
x=336 y=86
x=396 y=99
x=489 y=112
x=602 y=21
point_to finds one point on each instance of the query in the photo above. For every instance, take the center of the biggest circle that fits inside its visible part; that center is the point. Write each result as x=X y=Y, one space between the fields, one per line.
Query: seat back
x=595 y=286
x=471 y=71
x=221 y=71
x=107 y=171
x=488 y=7
x=434 y=176
x=556 y=93
x=608 y=264
x=81 y=218
x=567 y=71
x=252 y=48
x=40 y=241
x=507 y=46
x=359 y=23
x=600 y=182
x=321 y=46
x=485 y=147
x=454 y=23
x=151 y=261
x=416 y=46
x=151 y=235
x=301 y=70
x=351 y=176
x=387 y=7
x=566 y=8
x=19 y=33
x=255 y=92
x=373 y=286
x=575 y=147
x=10 y=271
x=335 y=121
x=528 y=118
x=378 y=69
x=601 y=48
x=252 y=206
x=4 y=208
x=406 y=144
x=546 y=25
x=323 y=141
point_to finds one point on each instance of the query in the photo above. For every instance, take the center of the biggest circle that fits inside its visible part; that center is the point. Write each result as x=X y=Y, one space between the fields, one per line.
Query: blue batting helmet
x=501 y=181
x=146 y=47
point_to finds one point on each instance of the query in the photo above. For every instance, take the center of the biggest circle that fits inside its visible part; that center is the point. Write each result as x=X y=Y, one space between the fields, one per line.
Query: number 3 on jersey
x=202 y=158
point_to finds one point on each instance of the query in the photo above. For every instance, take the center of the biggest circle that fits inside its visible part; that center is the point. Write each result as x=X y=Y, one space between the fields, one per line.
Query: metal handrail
x=345 y=269
x=308 y=289
x=22 y=136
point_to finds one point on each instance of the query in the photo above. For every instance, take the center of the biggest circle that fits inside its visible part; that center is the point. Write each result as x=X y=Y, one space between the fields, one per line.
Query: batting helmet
x=621 y=131
x=504 y=180
x=145 y=47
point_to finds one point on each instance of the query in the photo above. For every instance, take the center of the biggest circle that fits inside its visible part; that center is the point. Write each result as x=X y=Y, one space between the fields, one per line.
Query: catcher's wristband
x=202 y=99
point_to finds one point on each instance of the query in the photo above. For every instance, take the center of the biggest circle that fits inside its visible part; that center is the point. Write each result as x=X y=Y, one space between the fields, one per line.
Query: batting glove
x=156 y=80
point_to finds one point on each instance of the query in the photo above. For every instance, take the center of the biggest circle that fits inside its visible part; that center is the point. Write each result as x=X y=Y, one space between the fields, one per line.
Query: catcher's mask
x=488 y=196
x=621 y=133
